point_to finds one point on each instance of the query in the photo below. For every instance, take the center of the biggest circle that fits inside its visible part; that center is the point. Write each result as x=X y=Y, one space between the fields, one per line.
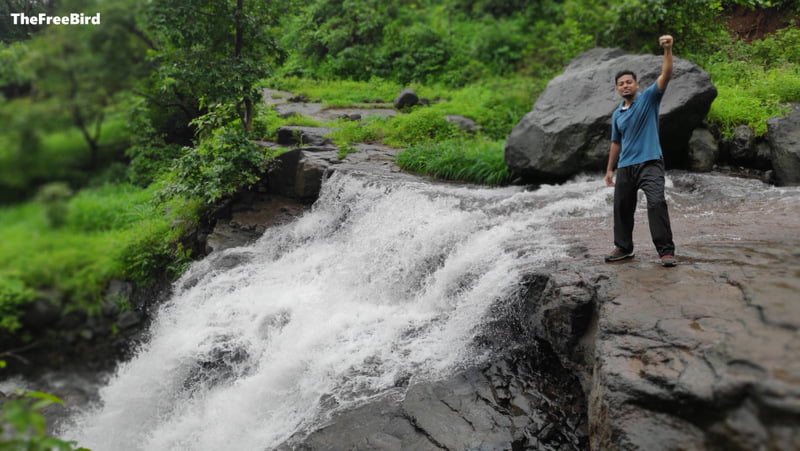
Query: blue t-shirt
x=636 y=128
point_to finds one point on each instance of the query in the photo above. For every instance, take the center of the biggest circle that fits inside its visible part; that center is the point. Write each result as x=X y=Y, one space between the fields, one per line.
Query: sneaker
x=668 y=261
x=617 y=255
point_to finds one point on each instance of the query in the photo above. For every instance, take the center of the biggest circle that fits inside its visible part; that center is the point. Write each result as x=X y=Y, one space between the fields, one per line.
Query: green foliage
x=477 y=161
x=9 y=31
x=22 y=425
x=216 y=52
x=13 y=76
x=82 y=70
x=14 y=296
x=113 y=231
x=755 y=81
x=110 y=207
x=154 y=253
x=735 y=106
x=419 y=126
x=370 y=130
x=219 y=165
x=496 y=104
x=54 y=197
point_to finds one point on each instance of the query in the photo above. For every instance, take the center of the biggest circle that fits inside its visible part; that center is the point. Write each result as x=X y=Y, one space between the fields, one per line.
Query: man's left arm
x=666 y=66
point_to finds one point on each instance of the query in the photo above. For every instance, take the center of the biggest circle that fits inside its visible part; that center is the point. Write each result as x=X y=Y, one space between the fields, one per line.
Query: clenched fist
x=665 y=42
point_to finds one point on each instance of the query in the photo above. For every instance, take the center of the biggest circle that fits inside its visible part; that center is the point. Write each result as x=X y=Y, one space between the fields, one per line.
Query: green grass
x=471 y=160
x=113 y=231
x=755 y=81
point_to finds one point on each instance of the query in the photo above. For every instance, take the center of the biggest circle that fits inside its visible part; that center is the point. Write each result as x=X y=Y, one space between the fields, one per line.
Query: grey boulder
x=568 y=130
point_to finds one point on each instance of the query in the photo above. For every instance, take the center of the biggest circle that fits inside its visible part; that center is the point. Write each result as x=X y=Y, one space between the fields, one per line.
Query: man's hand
x=666 y=42
x=609 y=178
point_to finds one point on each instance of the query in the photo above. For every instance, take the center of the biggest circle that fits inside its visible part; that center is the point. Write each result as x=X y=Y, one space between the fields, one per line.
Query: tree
x=9 y=31
x=83 y=69
x=213 y=50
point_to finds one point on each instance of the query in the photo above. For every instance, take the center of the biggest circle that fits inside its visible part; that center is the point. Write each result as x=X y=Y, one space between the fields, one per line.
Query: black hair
x=624 y=72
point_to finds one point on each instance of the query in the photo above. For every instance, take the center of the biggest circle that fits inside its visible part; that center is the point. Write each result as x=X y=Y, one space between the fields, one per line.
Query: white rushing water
x=381 y=282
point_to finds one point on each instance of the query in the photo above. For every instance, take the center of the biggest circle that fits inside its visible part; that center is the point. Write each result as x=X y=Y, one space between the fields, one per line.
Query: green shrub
x=14 y=296
x=53 y=197
x=477 y=161
x=219 y=165
x=154 y=253
x=22 y=425
x=754 y=81
x=420 y=125
x=369 y=130
x=735 y=106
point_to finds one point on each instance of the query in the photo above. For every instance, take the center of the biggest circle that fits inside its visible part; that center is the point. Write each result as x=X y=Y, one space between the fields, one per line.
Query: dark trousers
x=649 y=177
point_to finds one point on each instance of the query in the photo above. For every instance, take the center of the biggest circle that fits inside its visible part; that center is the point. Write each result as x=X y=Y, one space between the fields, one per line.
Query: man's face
x=627 y=86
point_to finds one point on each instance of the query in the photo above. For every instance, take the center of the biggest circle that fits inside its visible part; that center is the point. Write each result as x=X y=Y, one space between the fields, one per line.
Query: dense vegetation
x=117 y=138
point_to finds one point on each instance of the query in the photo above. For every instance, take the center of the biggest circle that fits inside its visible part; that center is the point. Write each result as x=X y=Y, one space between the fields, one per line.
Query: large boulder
x=569 y=128
x=406 y=98
x=783 y=134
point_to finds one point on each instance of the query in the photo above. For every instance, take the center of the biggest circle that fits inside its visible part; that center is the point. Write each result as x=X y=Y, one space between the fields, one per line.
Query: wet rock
x=464 y=123
x=117 y=292
x=784 y=138
x=298 y=173
x=741 y=145
x=406 y=98
x=522 y=401
x=569 y=128
x=129 y=319
x=703 y=150
x=41 y=314
x=303 y=136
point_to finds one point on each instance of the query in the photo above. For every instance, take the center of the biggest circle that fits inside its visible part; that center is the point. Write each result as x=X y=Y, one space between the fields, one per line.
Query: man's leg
x=624 y=206
x=651 y=181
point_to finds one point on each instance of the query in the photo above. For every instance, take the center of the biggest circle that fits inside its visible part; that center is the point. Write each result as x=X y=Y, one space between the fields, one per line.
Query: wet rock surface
x=524 y=399
x=784 y=136
x=704 y=355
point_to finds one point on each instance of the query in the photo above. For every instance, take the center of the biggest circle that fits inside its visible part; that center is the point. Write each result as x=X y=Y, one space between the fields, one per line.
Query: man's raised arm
x=666 y=67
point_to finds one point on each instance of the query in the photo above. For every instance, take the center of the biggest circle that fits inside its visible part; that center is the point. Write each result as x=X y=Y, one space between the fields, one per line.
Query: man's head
x=626 y=84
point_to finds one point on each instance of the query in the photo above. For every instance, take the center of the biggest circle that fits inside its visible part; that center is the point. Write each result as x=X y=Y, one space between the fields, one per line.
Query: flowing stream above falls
x=385 y=282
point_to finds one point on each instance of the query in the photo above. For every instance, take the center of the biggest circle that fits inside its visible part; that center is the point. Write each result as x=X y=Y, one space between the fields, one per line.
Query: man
x=636 y=153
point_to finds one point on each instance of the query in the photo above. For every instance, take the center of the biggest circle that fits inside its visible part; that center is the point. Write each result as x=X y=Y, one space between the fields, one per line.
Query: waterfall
x=383 y=283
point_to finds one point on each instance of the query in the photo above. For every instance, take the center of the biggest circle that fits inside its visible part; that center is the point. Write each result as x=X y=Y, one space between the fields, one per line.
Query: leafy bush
x=369 y=130
x=14 y=296
x=477 y=161
x=22 y=425
x=735 y=106
x=218 y=166
x=54 y=197
x=754 y=81
x=154 y=253
x=421 y=125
